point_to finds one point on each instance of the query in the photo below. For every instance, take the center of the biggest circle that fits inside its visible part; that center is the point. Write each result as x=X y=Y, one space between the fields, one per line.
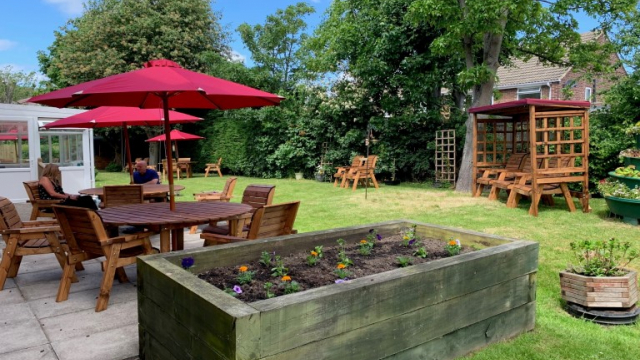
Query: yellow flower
x=286 y=278
x=314 y=253
x=243 y=268
x=341 y=266
x=405 y=238
x=453 y=243
x=363 y=241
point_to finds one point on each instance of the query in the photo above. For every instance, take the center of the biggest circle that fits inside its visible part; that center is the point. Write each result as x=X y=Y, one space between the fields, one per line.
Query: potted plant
x=632 y=156
x=600 y=279
x=621 y=199
x=321 y=171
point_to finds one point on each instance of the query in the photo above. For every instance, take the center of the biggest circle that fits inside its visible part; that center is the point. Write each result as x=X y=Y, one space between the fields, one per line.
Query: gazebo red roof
x=522 y=106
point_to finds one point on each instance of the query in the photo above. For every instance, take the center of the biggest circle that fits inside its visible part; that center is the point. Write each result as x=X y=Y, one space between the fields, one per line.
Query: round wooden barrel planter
x=628 y=209
x=445 y=308
x=612 y=292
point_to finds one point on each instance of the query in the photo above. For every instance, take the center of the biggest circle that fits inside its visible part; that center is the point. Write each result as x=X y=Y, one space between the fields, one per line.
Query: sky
x=28 y=25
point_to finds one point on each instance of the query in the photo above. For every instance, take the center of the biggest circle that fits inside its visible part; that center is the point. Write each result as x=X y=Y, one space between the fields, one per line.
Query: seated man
x=142 y=175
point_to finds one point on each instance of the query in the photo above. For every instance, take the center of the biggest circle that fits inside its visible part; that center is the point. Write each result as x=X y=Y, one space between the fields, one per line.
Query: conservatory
x=24 y=147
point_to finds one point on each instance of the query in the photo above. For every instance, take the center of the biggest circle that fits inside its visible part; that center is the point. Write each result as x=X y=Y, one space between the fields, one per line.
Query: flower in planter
x=341 y=271
x=187 y=262
x=403 y=261
x=245 y=276
x=265 y=259
x=290 y=286
x=267 y=289
x=279 y=270
x=617 y=189
x=318 y=249
x=421 y=252
x=409 y=236
x=342 y=253
x=453 y=247
x=312 y=259
x=237 y=289
x=602 y=258
x=373 y=236
x=365 y=247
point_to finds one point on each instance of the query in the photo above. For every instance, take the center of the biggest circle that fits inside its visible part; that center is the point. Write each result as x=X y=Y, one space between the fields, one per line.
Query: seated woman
x=49 y=188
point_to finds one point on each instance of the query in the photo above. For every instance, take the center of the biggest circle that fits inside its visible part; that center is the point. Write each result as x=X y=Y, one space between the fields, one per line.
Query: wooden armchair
x=357 y=161
x=183 y=164
x=362 y=173
x=255 y=195
x=488 y=176
x=224 y=196
x=26 y=238
x=213 y=167
x=164 y=168
x=39 y=207
x=87 y=239
x=508 y=179
x=118 y=195
x=267 y=221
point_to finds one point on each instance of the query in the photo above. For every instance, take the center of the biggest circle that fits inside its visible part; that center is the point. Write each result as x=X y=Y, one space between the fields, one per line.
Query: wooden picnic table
x=148 y=190
x=158 y=217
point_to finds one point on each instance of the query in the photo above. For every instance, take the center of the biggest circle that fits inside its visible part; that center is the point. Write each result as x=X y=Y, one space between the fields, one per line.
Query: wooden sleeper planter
x=444 y=308
x=614 y=292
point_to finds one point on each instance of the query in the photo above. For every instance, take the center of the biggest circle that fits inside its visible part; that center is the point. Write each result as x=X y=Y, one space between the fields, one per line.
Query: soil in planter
x=383 y=257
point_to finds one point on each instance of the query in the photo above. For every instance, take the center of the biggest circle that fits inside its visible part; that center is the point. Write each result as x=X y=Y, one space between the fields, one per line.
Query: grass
x=556 y=336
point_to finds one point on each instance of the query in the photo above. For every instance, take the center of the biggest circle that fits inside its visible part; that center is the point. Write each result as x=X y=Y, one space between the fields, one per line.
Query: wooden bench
x=358 y=160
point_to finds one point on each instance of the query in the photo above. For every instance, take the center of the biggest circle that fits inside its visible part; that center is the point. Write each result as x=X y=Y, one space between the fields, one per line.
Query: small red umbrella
x=175 y=135
x=160 y=84
x=110 y=116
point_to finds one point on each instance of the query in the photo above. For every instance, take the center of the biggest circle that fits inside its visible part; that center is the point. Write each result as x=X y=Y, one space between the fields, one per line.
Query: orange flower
x=453 y=243
x=286 y=278
x=243 y=268
x=341 y=266
x=314 y=253
x=363 y=241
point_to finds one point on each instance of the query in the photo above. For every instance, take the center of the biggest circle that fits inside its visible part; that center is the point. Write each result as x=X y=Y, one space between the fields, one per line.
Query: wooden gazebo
x=554 y=134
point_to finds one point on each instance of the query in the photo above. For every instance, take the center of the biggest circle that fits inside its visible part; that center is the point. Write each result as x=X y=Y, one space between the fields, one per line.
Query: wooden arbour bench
x=490 y=175
x=549 y=130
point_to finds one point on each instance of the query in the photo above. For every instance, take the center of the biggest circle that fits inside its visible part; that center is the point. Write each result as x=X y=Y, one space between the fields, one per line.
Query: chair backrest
x=227 y=191
x=31 y=187
x=118 y=195
x=9 y=217
x=273 y=220
x=82 y=228
x=358 y=161
x=258 y=195
x=219 y=162
x=514 y=162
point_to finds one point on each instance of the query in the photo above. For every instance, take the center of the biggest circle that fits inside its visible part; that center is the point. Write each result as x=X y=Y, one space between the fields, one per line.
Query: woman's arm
x=47 y=185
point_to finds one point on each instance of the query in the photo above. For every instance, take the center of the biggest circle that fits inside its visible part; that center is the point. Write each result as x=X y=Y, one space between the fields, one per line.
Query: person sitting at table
x=50 y=188
x=143 y=175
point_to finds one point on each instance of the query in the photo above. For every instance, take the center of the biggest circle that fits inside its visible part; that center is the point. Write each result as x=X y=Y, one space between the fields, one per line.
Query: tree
x=276 y=47
x=115 y=36
x=16 y=85
x=487 y=32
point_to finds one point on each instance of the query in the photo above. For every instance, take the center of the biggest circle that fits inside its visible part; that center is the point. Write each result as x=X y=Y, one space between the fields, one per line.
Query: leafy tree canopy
x=16 y=85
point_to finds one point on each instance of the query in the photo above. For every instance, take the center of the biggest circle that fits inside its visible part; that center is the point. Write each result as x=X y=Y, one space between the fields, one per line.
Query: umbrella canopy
x=160 y=84
x=12 y=135
x=109 y=116
x=175 y=135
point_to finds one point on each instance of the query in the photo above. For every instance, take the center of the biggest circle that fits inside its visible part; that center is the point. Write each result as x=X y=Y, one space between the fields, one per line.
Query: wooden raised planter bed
x=444 y=309
x=600 y=292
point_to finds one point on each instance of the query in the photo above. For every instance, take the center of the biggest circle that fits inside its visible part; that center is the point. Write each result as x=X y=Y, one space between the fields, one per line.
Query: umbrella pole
x=167 y=145
x=125 y=131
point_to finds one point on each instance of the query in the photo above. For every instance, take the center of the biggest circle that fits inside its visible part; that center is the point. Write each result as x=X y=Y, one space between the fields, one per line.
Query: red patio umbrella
x=109 y=116
x=175 y=135
x=160 y=84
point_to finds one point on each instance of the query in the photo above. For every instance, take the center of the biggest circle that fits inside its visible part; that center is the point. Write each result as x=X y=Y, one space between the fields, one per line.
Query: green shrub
x=113 y=167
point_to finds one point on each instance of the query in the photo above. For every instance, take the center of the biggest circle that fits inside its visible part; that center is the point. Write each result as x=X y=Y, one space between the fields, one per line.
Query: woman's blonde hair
x=52 y=171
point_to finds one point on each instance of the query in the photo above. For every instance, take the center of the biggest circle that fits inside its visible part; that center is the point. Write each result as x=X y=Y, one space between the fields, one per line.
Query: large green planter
x=628 y=209
x=631 y=182
x=443 y=309
x=632 y=161
x=637 y=141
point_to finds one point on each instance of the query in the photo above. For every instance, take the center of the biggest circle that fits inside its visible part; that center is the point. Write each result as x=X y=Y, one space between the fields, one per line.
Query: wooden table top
x=187 y=213
x=147 y=189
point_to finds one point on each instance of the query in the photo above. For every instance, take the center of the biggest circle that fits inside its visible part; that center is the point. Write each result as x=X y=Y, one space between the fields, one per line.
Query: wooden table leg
x=179 y=241
x=165 y=235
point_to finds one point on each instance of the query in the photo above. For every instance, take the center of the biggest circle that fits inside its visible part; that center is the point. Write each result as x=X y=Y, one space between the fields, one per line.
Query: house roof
x=533 y=71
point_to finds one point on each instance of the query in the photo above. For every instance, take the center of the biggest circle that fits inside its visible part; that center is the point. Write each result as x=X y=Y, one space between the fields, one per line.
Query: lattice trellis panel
x=497 y=139
x=446 y=156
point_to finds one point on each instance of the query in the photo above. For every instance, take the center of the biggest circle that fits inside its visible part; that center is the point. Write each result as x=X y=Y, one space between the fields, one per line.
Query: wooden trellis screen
x=446 y=156
x=555 y=133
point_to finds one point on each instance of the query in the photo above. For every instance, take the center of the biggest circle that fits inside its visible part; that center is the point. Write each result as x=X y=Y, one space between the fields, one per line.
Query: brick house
x=532 y=79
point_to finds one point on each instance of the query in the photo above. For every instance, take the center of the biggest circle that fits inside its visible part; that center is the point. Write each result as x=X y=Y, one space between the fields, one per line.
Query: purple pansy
x=457 y=242
x=187 y=262
x=340 y=281
x=237 y=289
x=378 y=237
x=412 y=242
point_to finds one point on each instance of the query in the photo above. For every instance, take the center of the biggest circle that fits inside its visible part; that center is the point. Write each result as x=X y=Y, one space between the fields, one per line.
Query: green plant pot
x=637 y=141
x=320 y=177
x=632 y=161
x=631 y=182
x=627 y=208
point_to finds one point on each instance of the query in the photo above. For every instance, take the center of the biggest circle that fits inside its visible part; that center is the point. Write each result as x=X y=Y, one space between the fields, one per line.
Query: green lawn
x=556 y=336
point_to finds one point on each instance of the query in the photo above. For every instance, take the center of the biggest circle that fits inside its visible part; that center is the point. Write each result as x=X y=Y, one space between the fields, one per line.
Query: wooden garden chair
x=212 y=196
x=183 y=164
x=362 y=174
x=39 y=207
x=24 y=238
x=488 y=176
x=213 y=167
x=87 y=239
x=118 y=195
x=546 y=190
x=358 y=160
x=510 y=178
x=267 y=221
x=255 y=195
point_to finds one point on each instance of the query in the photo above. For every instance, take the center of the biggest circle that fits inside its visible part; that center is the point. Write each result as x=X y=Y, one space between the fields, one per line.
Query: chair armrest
x=34 y=223
x=31 y=230
x=215 y=239
x=126 y=238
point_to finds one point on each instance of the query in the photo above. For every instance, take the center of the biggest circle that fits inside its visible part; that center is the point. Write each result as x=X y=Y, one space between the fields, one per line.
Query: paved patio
x=34 y=326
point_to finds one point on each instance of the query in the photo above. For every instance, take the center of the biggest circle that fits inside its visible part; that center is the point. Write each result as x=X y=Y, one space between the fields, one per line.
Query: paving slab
x=19 y=329
x=42 y=352
x=120 y=343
